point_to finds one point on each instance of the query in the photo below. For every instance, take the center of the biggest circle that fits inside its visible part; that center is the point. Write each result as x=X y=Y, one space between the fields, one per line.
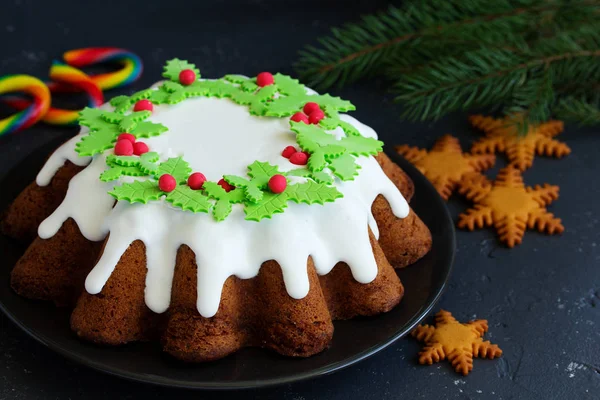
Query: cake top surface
x=248 y=160
x=257 y=203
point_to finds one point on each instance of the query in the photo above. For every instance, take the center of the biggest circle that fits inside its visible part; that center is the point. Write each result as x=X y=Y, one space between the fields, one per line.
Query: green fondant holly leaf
x=160 y=96
x=92 y=118
x=146 y=129
x=319 y=177
x=239 y=79
x=322 y=177
x=344 y=167
x=116 y=171
x=177 y=167
x=269 y=205
x=312 y=193
x=236 y=181
x=221 y=210
x=214 y=190
x=319 y=158
x=284 y=106
x=288 y=105
x=301 y=172
x=137 y=192
x=261 y=172
x=252 y=192
x=120 y=102
x=177 y=93
x=148 y=163
x=224 y=199
x=188 y=199
x=174 y=68
x=112 y=117
x=249 y=86
x=362 y=146
x=124 y=161
x=289 y=86
x=317 y=161
x=242 y=98
x=126 y=123
x=258 y=106
x=123 y=103
x=171 y=86
x=110 y=174
x=310 y=138
x=332 y=122
x=333 y=103
x=219 y=88
x=348 y=128
x=129 y=166
x=178 y=96
x=97 y=141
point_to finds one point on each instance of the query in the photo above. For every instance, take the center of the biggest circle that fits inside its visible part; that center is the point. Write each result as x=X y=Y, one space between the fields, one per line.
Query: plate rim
x=328 y=369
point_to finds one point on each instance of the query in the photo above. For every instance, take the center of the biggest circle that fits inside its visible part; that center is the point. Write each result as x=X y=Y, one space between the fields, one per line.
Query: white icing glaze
x=217 y=136
x=63 y=153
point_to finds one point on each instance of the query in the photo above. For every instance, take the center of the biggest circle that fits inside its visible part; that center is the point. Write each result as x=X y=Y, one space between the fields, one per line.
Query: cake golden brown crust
x=118 y=314
x=55 y=269
x=35 y=203
x=404 y=241
x=252 y=312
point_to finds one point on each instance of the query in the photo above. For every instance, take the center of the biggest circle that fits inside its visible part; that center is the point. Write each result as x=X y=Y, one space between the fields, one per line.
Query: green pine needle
x=526 y=57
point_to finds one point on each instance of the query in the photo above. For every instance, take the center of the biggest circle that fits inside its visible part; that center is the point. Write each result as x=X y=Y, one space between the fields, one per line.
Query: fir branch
x=578 y=110
x=487 y=77
x=358 y=50
x=528 y=58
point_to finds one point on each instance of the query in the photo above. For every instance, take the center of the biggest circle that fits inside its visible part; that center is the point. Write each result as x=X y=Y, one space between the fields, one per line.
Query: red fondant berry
x=316 y=116
x=310 y=107
x=288 y=151
x=123 y=148
x=223 y=183
x=143 y=105
x=307 y=154
x=126 y=136
x=167 y=183
x=187 y=77
x=264 y=79
x=300 y=117
x=277 y=183
x=299 y=158
x=196 y=180
x=140 y=148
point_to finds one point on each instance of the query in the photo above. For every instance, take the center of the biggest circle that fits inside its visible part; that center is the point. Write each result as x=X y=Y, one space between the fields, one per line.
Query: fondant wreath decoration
x=265 y=190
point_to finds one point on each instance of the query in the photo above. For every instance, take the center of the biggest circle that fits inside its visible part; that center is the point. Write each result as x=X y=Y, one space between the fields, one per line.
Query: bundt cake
x=217 y=214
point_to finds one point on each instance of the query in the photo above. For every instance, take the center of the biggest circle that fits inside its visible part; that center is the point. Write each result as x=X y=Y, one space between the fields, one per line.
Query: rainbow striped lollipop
x=65 y=75
x=131 y=64
x=34 y=111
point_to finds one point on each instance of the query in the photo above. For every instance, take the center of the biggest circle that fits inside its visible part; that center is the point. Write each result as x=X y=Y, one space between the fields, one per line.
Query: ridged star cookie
x=501 y=135
x=445 y=165
x=509 y=205
x=457 y=342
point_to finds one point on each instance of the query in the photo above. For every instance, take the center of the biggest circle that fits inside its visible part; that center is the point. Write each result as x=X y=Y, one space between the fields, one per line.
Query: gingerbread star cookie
x=501 y=135
x=509 y=206
x=455 y=341
x=445 y=165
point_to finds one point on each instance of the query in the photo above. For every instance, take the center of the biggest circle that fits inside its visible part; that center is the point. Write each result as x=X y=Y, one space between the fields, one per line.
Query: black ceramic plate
x=353 y=340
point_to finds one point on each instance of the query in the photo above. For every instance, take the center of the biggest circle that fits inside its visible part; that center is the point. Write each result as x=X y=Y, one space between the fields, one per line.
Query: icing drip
x=63 y=153
x=218 y=137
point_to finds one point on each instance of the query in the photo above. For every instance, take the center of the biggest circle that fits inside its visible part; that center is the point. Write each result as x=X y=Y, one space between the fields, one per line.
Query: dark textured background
x=542 y=299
